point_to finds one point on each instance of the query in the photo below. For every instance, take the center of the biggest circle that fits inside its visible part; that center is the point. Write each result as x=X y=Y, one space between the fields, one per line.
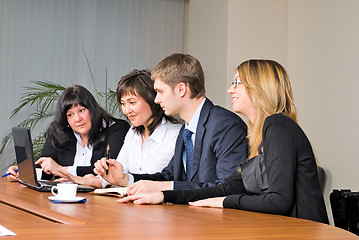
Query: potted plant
x=42 y=96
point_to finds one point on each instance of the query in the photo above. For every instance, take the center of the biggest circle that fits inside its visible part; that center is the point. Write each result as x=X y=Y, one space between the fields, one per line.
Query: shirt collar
x=192 y=125
x=78 y=137
x=158 y=134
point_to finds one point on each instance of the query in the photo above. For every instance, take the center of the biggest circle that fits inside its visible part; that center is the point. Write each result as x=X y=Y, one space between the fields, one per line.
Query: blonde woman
x=280 y=176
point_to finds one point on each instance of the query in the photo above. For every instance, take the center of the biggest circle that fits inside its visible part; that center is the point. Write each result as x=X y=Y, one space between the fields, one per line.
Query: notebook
x=26 y=163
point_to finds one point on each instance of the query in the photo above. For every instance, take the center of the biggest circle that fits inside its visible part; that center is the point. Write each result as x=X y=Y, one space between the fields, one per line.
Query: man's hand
x=115 y=175
x=146 y=186
x=146 y=198
x=209 y=202
x=49 y=166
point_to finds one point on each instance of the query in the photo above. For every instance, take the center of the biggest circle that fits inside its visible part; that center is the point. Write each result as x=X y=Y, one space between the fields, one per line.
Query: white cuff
x=104 y=183
x=131 y=179
x=72 y=170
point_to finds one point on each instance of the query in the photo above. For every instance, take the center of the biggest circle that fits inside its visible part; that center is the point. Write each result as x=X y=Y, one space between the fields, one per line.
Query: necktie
x=189 y=151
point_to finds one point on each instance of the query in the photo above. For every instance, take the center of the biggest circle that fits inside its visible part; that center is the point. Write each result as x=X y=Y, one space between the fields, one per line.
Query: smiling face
x=241 y=101
x=78 y=117
x=137 y=110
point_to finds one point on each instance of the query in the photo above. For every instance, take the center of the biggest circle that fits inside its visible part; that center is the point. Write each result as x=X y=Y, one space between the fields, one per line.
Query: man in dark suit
x=217 y=141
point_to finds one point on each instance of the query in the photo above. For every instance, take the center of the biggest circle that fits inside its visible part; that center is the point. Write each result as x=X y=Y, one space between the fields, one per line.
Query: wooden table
x=31 y=215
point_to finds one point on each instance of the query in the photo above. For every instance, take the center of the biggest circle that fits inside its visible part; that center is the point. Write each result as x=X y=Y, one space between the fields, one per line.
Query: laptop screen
x=24 y=155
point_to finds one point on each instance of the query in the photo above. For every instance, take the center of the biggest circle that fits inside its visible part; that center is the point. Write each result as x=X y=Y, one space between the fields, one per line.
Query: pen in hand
x=107 y=156
x=7 y=174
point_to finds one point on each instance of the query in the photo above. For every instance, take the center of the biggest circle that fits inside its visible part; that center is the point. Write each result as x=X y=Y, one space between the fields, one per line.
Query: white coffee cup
x=38 y=173
x=65 y=190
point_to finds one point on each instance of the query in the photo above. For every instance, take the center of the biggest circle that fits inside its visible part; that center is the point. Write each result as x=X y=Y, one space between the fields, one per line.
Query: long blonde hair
x=268 y=86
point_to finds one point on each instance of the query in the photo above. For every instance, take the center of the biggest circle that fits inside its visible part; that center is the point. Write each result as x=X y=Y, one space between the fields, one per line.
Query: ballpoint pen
x=7 y=174
x=107 y=156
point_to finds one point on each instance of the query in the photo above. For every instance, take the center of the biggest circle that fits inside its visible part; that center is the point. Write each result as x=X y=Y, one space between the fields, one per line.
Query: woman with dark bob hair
x=78 y=135
x=150 y=143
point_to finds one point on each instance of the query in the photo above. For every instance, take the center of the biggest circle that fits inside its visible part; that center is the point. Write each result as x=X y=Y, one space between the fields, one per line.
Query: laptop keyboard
x=47 y=182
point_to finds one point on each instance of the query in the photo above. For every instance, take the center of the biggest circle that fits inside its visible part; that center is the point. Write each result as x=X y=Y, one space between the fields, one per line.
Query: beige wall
x=256 y=29
x=316 y=40
x=207 y=34
x=323 y=59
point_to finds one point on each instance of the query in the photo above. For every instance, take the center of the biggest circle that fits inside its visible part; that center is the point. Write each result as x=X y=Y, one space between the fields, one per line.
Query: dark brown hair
x=139 y=83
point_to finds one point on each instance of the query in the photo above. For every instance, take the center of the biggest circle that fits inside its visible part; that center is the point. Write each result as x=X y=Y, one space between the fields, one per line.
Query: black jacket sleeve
x=233 y=185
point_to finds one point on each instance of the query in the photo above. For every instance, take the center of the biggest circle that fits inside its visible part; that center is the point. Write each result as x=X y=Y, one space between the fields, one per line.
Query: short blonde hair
x=268 y=85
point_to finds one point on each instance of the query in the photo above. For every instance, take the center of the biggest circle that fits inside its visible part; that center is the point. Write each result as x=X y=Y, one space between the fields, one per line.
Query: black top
x=114 y=137
x=293 y=183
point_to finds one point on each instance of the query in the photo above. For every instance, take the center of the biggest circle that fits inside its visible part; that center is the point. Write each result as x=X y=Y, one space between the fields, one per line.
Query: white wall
x=317 y=42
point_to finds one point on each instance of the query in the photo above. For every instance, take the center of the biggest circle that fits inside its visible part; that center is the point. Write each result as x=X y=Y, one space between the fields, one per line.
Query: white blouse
x=82 y=157
x=83 y=154
x=155 y=152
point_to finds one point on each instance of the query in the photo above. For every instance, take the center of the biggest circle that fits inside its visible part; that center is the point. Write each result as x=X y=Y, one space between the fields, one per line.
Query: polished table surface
x=31 y=215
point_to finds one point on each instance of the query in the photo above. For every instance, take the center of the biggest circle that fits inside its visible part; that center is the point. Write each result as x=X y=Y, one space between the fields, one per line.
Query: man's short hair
x=179 y=67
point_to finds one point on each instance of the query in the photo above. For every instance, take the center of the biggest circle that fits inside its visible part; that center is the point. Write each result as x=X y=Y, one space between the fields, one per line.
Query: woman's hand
x=14 y=176
x=115 y=174
x=209 y=202
x=101 y=166
x=49 y=166
x=89 y=179
x=146 y=198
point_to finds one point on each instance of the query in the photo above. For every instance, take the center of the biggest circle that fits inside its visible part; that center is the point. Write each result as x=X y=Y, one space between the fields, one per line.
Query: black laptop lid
x=24 y=155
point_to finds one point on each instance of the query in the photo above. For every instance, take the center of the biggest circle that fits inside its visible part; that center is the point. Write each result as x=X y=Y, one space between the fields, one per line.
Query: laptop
x=26 y=163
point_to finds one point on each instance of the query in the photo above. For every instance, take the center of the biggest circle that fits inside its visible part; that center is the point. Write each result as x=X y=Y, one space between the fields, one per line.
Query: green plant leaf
x=43 y=95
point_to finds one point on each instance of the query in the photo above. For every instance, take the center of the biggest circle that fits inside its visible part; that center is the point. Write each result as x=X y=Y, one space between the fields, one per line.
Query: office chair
x=345 y=209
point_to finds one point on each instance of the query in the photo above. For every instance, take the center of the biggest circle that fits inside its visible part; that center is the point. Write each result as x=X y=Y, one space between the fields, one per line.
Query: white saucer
x=61 y=200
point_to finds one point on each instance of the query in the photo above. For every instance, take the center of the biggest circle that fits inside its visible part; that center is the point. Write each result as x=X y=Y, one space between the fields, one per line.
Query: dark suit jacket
x=115 y=137
x=220 y=146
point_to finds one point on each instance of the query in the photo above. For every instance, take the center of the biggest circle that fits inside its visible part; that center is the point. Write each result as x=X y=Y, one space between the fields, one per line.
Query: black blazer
x=115 y=137
x=220 y=146
x=293 y=183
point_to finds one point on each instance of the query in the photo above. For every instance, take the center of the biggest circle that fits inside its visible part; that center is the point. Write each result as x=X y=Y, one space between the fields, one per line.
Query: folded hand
x=209 y=202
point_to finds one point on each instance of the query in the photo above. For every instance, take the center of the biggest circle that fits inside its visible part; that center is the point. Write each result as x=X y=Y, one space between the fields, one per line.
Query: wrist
x=124 y=181
x=162 y=197
x=166 y=186
x=97 y=182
